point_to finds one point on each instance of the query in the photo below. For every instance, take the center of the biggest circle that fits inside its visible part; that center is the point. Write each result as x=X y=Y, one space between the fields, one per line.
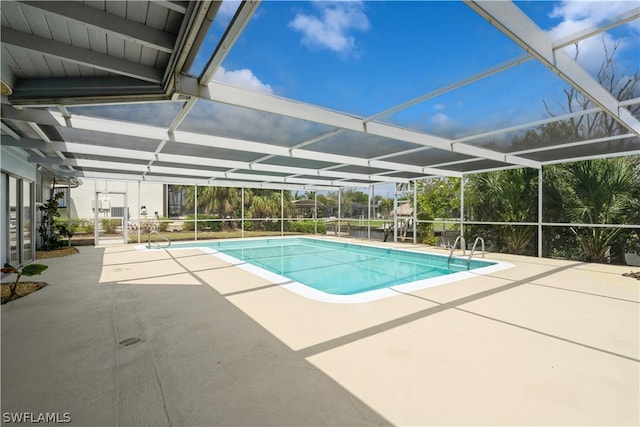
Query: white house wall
x=83 y=197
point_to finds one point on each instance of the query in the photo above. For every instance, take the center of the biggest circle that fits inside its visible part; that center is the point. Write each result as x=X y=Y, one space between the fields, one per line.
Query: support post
x=415 y=212
x=281 y=212
x=462 y=206
x=125 y=214
x=540 y=212
x=68 y=209
x=242 y=213
x=315 y=212
x=395 y=215
x=339 y=208
x=95 y=213
x=138 y=210
x=369 y=200
x=195 y=208
x=462 y=240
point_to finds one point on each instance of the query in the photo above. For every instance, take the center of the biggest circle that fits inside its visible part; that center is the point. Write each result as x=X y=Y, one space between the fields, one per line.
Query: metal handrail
x=157 y=244
x=474 y=248
x=463 y=246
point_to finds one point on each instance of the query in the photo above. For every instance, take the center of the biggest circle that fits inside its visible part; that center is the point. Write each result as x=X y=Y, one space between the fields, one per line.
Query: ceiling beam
x=244 y=13
x=591 y=31
x=265 y=102
x=86 y=149
x=226 y=94
x=176 y=6
x=6 y=129
x=509 y=19
x=84 y=90
x=77 y=55
x=593 y=157
x=93 y=150
x=154 y=132
x=117 y=26
x=24 y=143
x=177 y=171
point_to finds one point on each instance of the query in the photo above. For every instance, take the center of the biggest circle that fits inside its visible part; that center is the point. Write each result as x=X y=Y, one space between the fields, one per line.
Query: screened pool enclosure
x=192 y=94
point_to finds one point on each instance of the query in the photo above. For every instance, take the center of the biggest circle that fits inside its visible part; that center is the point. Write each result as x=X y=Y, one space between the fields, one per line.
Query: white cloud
x=595 y=11
x=443 y=125
x=577 y=15
x=243 y=78
x=441 y=119
x=332 y=28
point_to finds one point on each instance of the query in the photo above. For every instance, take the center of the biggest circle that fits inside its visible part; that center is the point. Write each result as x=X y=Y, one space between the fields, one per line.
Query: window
x=176 y=201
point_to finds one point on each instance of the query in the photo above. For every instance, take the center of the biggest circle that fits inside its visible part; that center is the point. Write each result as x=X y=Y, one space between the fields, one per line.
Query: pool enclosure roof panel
x=165 y=91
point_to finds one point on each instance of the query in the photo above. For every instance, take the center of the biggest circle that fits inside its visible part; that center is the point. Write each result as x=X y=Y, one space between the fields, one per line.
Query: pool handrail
x=158 y=244
x=473 y=248
x=463 y=246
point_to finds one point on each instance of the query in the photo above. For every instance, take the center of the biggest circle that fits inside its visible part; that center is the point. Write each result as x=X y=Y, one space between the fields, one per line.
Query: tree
x=590 y=191
x=507 y=196
x=600 y=192
x=49 y=230
x=222 y=201
x=436 y=198
x=385 y=207
x=622 y=85
x=225 y=202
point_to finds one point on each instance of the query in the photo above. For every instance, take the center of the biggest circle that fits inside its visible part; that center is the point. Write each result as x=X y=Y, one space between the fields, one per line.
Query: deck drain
x=130 y=341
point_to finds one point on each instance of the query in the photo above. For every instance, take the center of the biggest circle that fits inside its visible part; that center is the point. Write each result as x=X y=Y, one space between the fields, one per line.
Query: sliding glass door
x=18 y=246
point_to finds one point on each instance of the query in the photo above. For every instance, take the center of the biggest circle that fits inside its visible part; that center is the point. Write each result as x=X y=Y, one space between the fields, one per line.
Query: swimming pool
x=342 y=272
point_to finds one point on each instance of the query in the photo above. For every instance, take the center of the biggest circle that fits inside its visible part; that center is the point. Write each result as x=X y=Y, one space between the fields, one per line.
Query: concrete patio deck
x=547 y=342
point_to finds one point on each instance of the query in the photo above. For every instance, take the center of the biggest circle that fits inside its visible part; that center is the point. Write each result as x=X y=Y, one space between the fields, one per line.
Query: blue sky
x=364 y=57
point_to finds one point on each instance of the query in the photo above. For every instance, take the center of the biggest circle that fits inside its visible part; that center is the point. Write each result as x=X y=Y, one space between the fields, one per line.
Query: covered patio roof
x=108 y=90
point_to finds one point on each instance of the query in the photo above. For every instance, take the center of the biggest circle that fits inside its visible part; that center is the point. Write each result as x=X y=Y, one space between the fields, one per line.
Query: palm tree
x=508 y=196
x=262 y=203
x=223 y=201
x=601 y=192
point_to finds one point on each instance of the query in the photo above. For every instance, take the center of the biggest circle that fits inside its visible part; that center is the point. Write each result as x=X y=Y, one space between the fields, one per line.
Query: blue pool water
x=339 y=268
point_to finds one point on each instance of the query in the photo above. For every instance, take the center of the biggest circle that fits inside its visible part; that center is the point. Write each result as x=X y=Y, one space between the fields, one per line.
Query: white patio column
x=339 y=208
x=415 y=212
x=195 y=208
x=315 y=212
x=125 y=220
x=242 y=214
x=540 y=212
x=462 y=206
x=395 y=215
x=281 y=212
x=370 y=196
x=68 y=209
x=95 y=213
x=138 y=211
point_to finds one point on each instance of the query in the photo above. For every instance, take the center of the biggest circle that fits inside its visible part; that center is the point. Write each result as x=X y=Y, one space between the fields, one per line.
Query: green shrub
x=163 y=224
x=89 y=226
x=203 y=224
x=76 y=224
x=305 y=227
x=146 y=227
x=109 y=226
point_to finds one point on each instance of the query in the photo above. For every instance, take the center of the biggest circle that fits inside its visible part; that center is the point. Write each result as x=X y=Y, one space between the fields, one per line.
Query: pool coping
x=362 y=297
